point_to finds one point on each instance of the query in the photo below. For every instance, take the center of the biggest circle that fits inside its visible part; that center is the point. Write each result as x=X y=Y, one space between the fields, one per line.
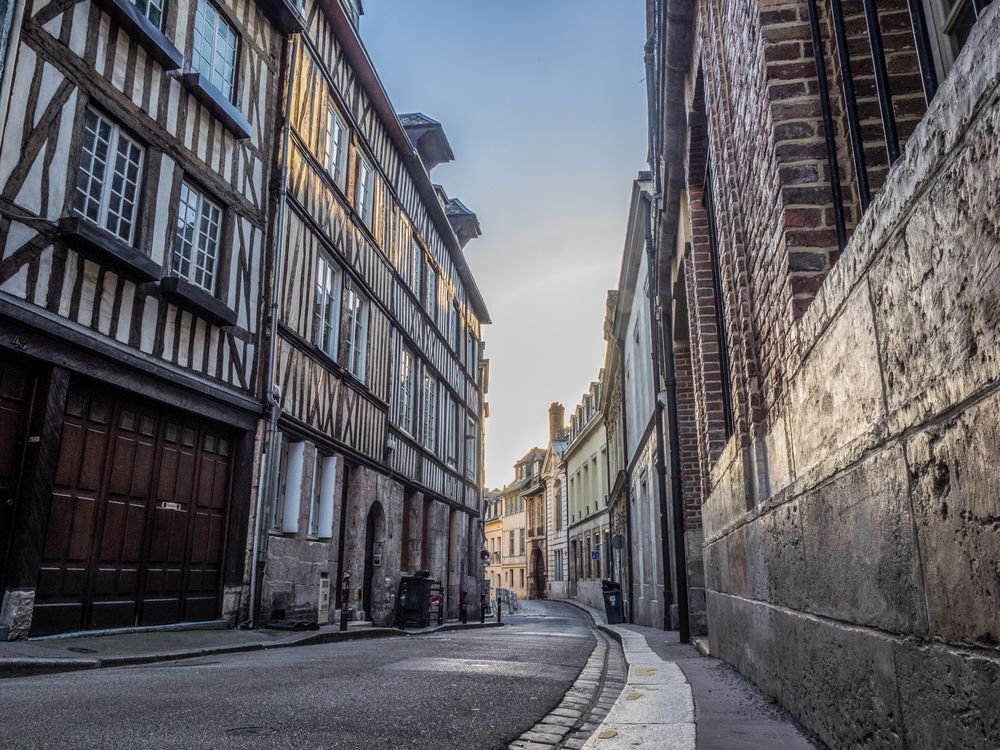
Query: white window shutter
x=293 y=488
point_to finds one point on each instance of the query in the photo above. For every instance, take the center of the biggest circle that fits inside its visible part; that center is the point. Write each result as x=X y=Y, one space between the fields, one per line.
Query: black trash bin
x=414 y=601
x=612 y=602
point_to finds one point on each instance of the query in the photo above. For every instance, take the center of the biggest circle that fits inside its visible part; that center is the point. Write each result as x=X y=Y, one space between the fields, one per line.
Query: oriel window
x=215 y=46
x=107 y=182
x=196 y=243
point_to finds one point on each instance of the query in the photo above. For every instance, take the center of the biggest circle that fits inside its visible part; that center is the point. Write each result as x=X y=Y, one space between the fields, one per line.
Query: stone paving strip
x=585 y=704
x=656 y=707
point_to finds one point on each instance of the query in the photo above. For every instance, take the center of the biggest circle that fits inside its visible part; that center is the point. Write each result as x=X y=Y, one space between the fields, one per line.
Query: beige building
x=586 y=460
x=514 y=548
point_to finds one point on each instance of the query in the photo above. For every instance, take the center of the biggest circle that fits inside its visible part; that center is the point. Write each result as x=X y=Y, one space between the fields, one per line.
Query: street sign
x=484 y=555
x=595 y=555
x=617 y=541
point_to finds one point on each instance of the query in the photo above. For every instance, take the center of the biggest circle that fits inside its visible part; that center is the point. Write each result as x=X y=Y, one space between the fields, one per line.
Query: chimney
x=557 y=420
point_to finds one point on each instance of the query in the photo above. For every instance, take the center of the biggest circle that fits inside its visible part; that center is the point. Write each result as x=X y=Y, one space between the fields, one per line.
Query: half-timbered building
x=374 y=454
x=133 y=196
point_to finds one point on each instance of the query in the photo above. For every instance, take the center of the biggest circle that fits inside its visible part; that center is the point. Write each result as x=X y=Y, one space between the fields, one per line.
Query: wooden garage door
x=135 y=529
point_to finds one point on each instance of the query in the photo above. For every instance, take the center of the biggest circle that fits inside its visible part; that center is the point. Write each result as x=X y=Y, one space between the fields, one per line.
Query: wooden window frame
x=326 y=316
x=210 y=74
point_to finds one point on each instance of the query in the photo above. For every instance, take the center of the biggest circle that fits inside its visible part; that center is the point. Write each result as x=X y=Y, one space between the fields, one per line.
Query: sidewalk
x=89 y=651
x=677 y=699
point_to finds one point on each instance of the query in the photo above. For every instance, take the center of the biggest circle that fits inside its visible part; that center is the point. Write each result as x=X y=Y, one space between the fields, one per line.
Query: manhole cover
x=250 y=731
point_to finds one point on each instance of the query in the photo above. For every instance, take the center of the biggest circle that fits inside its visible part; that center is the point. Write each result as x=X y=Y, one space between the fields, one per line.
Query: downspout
x=670 y=387
x=626 y=485
x=267 y=490
x=10 y=58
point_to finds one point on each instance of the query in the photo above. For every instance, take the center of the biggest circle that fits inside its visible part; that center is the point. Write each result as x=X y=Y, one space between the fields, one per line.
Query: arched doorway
x=538 y=571
x=374 y=541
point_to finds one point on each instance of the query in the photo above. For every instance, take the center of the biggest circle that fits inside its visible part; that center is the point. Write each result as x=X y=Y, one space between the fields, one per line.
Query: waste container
x=414 y=601
x=612 y=602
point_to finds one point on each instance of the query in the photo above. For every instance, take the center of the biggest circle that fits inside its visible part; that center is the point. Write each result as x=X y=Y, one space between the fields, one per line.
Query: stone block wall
x=852 y=545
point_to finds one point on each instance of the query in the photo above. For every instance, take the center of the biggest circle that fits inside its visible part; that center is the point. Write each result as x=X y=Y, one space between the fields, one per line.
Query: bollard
x=345 y=596
x=463 y=610
x=482 y=608
x=498 y=610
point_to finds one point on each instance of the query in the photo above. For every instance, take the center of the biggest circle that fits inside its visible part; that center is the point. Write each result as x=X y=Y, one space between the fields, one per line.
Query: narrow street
x=436 y=691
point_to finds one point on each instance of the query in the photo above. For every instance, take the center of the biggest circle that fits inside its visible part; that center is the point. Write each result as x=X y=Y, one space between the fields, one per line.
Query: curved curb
x=656 y=708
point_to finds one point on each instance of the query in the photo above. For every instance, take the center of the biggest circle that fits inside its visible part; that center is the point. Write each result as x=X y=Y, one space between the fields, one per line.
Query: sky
x=543 y=102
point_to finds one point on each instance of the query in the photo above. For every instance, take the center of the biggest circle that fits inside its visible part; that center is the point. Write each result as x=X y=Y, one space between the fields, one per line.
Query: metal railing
x=845 y=70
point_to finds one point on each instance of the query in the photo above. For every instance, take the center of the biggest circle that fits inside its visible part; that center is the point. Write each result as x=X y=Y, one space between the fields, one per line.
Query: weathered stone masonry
x=851 y=541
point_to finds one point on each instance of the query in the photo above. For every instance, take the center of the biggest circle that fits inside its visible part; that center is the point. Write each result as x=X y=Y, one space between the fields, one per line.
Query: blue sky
x=543 y=102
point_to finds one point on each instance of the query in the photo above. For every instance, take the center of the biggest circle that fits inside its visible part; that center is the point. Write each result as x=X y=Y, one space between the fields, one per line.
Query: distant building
x=527 y=479
x=493 y=531
x=589 y=530
x=556 y=509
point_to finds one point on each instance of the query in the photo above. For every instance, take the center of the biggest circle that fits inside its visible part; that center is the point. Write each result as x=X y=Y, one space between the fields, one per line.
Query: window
x=152 y=10
x=430 y=431
x=214 y=52
x=356 y=342
x=326 y=307
x=522 y=574
x=415 y=266
x=470 y=352
x=364 y=191
x=196 y=245
x=558 y=565
x=557 y=506
x=954 y=20
x=510 y=551
x=405 y=391
x=335 y=151
x=453 y=327
x=107 y=194
x=471 y=449
x=522 y=541
x=430 y=303
x=451 y=432
x=324 y=485
x=285 y=518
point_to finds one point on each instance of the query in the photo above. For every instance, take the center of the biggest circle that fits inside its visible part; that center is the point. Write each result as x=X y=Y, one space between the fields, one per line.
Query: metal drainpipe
x=670 y=386
x=626 y=484
x=267 y=490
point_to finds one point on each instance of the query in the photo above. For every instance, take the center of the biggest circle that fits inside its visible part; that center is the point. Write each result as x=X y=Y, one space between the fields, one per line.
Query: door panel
x=16 y=393
x=61 y=595
x=135 y=529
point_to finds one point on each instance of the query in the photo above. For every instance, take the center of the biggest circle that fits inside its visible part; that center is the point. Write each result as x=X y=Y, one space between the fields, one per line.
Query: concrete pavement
x=442 y=691
x=676 y=698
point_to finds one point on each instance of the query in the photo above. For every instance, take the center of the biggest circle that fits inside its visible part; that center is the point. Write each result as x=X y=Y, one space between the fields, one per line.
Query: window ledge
x=286 y=15
x=109 y=249
x=138 y=26
x=212 y=99
x=199 y=300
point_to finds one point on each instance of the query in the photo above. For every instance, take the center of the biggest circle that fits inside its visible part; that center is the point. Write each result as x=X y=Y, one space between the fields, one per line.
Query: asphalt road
x=463 y=690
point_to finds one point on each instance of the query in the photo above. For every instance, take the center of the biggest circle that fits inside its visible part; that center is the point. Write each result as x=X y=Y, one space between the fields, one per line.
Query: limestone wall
x=852 y=554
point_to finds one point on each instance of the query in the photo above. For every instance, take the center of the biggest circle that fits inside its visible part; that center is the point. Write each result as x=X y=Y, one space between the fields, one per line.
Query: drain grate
x=250 y=731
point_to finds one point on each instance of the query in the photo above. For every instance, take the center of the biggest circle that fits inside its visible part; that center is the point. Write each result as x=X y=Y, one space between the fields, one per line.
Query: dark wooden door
x=16 y=390
x=134 y=534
